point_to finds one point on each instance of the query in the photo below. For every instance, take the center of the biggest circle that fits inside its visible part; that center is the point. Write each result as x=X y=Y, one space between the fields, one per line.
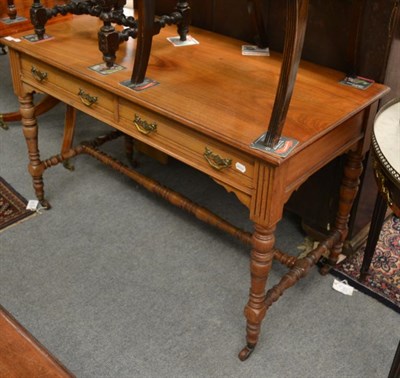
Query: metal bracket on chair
x=282 y=148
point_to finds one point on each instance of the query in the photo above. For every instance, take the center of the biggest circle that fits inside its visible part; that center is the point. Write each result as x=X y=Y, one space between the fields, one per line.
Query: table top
x=209 y=87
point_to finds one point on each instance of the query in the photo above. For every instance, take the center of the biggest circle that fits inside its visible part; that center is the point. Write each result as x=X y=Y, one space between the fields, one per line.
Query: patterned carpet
x=12 y=206
x=383 y=282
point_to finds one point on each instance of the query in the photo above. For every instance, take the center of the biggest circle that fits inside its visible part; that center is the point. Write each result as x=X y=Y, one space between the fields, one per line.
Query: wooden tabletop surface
x=210 y=87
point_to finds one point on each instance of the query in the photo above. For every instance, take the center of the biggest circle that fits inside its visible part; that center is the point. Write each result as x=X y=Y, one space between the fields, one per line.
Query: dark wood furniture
x=11 y=9
x=386 y=162
x=212 y=103
x=338 y=36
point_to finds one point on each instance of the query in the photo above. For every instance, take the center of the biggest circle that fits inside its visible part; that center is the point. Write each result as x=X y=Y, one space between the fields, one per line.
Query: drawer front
x=220 y=161
x=67 y=88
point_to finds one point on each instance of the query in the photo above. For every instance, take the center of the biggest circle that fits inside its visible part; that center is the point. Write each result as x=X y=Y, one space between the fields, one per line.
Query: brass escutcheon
x=86 y=98
x=38 y=75
x=143 y=126
x=216 y=161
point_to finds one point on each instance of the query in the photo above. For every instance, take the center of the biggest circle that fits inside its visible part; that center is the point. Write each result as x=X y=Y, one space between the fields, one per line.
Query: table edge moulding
x=208 y=108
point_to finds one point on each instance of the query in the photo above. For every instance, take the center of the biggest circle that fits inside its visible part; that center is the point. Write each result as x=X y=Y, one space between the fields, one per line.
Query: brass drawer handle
x=38 y=75
x=143 y=126
x=216 y=161
x=86 y=98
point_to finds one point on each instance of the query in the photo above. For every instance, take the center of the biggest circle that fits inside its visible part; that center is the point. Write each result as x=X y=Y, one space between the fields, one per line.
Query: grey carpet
x=117 y=283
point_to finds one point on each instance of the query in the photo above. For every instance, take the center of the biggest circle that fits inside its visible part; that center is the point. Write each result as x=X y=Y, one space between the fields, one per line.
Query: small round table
x=386 y=162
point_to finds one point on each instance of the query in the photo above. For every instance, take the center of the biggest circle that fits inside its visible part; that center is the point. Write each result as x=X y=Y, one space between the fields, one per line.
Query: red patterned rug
x=12 y=205
x=383 y=282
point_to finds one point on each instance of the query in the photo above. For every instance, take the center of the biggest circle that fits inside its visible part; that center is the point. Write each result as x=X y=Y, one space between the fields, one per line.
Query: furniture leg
x=255 y=9
x=146 y=12
x=69 y=132
x=30 y=130
x=11 y=10
x=108 y=43
x=262 y=256
x=378 y=217
x=129 y=150
x=348 y=192
x=296 y=24
x=38 y=15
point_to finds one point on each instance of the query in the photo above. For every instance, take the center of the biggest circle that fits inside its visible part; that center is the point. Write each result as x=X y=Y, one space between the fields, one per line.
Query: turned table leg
x=262 y=256
x=146 y=11
x=183 y=26
x=296 y=24
x=30 y=130
x=11 y=9
x=39 y=18
x=69 y=132
x=348 y=192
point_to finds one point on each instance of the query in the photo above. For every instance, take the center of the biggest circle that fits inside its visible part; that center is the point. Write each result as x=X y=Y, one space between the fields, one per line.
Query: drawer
x=206 y=154
x=67 y=88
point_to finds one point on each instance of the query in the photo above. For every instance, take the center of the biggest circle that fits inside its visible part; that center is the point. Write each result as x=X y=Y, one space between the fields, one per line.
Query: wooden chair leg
x=69 y=133
x=11 y=10
x=296 y=23
x=146 y=12
x=260 y=35
x=348 y=192
x=130 y=150
x=262 y=256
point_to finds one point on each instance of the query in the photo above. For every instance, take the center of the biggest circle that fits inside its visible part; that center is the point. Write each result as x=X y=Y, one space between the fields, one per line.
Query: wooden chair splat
x=255 y=9
x=296 y=22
